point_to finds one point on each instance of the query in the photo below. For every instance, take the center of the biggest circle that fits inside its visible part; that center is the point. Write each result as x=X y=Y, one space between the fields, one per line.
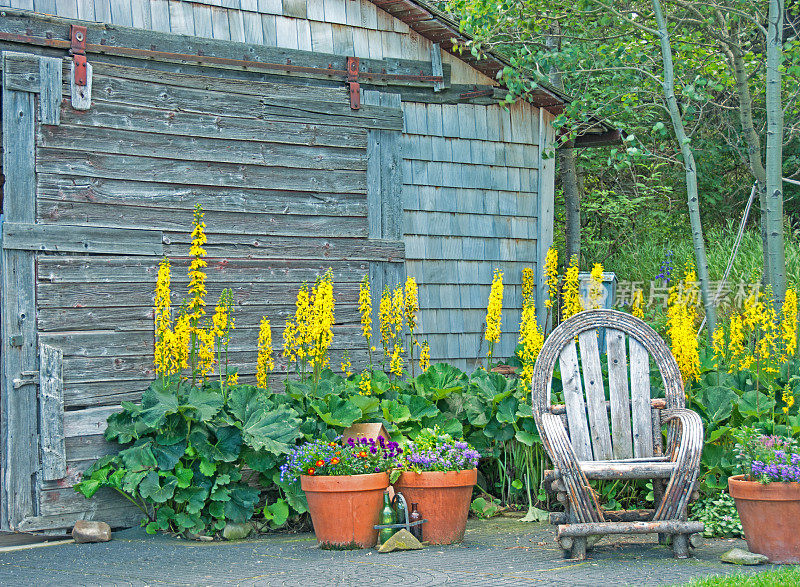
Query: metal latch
x=77 y=38
x=352 y=81
x=26 y=378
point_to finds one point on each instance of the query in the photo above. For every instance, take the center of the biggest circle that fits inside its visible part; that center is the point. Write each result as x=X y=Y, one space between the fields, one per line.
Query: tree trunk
x=690 y=167
x=567 y=165
x=774 y=168
x=752 y=140
x=572 y=199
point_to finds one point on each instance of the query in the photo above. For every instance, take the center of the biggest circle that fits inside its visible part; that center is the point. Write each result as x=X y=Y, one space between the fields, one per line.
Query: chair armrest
x=687 y=437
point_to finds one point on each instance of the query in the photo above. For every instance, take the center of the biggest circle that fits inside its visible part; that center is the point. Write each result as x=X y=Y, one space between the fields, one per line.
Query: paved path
x=502 y=551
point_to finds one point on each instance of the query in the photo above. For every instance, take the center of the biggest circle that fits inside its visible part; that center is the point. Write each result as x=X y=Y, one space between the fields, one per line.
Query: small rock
x=737 y=556
x=234 y=531
x=90 y=531
x=401 y=540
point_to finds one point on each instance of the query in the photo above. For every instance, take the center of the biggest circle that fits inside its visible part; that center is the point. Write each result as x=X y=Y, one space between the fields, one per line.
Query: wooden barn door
x=95 y=198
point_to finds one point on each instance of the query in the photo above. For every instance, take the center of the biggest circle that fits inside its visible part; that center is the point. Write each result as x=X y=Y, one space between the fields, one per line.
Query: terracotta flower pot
x=769 y=515
x=345 y=508
x=443 y=498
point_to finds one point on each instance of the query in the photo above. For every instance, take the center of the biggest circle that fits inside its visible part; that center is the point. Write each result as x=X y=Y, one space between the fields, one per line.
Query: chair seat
x=632 y=469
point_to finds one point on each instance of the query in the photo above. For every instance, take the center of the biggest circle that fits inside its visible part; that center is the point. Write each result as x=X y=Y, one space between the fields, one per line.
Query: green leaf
x=207 y=468
x=187 y=520
x=131 y=480
x=220 y=444
x=718 y=402
x=158 y=401
x=194 y=497
x=264 y=425
x=507 y=410
x=277 y=513
x=204 y=403
x=477 y=410
x=243 y=499
x=395 y=412
x=336 y=411
x=88 y=487
x=440 y=380
x=491 y=386
x=168 y=456
x=184 y=477
x=754 y=404
x=525 y=438
x=152 y=489
x=139 y=457
x=419 y=407
x=446 y=422
x=164 y=515
x=151 y=528
x=368 y=404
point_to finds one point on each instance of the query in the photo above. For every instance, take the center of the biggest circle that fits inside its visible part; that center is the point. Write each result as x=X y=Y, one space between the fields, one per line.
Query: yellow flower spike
x=396 y=362
x=425 y=357
x=197 y=277
x=718 y=344
x=322 y=320
x=365 y=308
x=411 y=304
x=163 y=321
x=232 y=379
x=398 y=309
x=596 y=287
x=385 y=319
x=528 y=286
x=551 y=276
x=531 y=340
x=346 y=364
x=788 y=325
x=365 y=383
x=572 y=291
x=681 y=312
x=265 y=361
x=494 y=312
x=637 y=303
x=205 y=350
x=289 y=334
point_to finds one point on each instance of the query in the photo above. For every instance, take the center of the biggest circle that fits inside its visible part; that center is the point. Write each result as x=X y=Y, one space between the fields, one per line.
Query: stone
x=90 y=531
x=401 y=540
x=737 y=556
x=233 y=531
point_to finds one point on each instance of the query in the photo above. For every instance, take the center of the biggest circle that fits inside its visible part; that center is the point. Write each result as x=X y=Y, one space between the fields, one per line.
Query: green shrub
x=718 y=513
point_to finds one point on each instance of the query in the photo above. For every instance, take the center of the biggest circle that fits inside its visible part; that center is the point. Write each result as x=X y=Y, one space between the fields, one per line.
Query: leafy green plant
x=718 y=513
x=184 y=448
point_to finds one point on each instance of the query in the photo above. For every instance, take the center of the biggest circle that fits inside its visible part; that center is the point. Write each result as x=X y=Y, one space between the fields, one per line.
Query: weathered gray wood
x=178 y=198
x=197 y=172
x=603 y=528
x=18 y=430
x=576 y=407
x=545 y=206
x=595 y=395
x=81 y=96
x=119 y=514
x=619 y=394
x=80 y=239
x=50 y=90
x=21 y=72
x=640 y=400
x=51 y=413
x=606 y=470
x=125 y=142
x=436 y=66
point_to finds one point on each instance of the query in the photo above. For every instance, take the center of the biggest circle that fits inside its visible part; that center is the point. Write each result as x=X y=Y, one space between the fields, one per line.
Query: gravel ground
x=501 y=551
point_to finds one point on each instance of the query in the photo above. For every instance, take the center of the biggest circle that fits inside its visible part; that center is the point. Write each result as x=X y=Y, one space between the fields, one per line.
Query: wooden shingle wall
x=471 y=184
x=339 y=27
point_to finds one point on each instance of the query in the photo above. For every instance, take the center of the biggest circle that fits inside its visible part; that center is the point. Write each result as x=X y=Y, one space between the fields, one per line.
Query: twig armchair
x=616 y=434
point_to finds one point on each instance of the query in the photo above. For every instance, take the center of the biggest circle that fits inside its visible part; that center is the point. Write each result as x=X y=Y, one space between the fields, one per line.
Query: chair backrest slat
x=573 y=398
x=595 y=395
x=618 y=394
x=640 y=400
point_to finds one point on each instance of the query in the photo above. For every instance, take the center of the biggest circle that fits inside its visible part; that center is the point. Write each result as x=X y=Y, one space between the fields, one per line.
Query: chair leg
x=658 y=495
x=680 y=545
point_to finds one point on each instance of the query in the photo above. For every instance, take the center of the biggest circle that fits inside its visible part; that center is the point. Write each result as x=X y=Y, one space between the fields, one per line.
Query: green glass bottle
x=387 y=517
x=399 y=509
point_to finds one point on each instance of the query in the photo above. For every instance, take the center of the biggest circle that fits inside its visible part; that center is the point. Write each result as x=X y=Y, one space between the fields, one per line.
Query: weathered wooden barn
x=315 y=134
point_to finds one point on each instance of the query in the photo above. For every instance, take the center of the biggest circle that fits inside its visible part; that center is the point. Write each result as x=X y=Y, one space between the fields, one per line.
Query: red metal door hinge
x=77 y=38
x=352 y=81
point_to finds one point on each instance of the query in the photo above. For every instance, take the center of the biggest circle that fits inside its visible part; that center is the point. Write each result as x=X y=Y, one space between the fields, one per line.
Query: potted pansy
x=344 y=486
x=767 y=494
x=438 y=473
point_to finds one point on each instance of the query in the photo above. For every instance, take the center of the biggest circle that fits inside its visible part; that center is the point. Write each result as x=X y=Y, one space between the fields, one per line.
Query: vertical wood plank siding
x=471 y=184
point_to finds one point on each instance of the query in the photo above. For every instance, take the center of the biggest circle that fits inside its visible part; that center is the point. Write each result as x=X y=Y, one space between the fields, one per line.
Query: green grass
x=642 y=260
x=787 y=576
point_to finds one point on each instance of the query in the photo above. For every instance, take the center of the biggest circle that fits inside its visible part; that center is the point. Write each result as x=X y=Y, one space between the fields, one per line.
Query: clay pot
x=443 y=497
x=345 y=508
x=769 y=515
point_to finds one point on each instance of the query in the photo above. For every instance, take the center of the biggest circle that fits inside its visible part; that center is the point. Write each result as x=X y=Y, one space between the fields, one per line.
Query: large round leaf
x=717 y=402
x=395 y=412
x=336 y=411
x=492 y=387
x=204 y=403
x=440 y=380
x=241 y=502
x=221 y=444
x=156 y=489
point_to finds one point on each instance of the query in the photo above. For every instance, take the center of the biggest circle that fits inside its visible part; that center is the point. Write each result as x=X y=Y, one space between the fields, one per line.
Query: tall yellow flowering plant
x=494 y=312
x=365 y=310
x=572 y=291
x=411 y=316
x=596 y=287
x=531 y=338
x=683 y=303
x=265 y=361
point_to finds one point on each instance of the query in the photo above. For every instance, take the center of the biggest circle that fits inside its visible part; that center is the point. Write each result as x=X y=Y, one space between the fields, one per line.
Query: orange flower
x=332 y=444
x=338 y=453
x=334 y=461
x=311 y=470
x=320 y=463
x=362 y=454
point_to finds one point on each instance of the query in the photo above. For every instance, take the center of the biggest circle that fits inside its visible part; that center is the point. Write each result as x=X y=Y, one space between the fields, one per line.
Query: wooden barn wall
x=281 y=173
x=471 y=184
x=339 y=27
